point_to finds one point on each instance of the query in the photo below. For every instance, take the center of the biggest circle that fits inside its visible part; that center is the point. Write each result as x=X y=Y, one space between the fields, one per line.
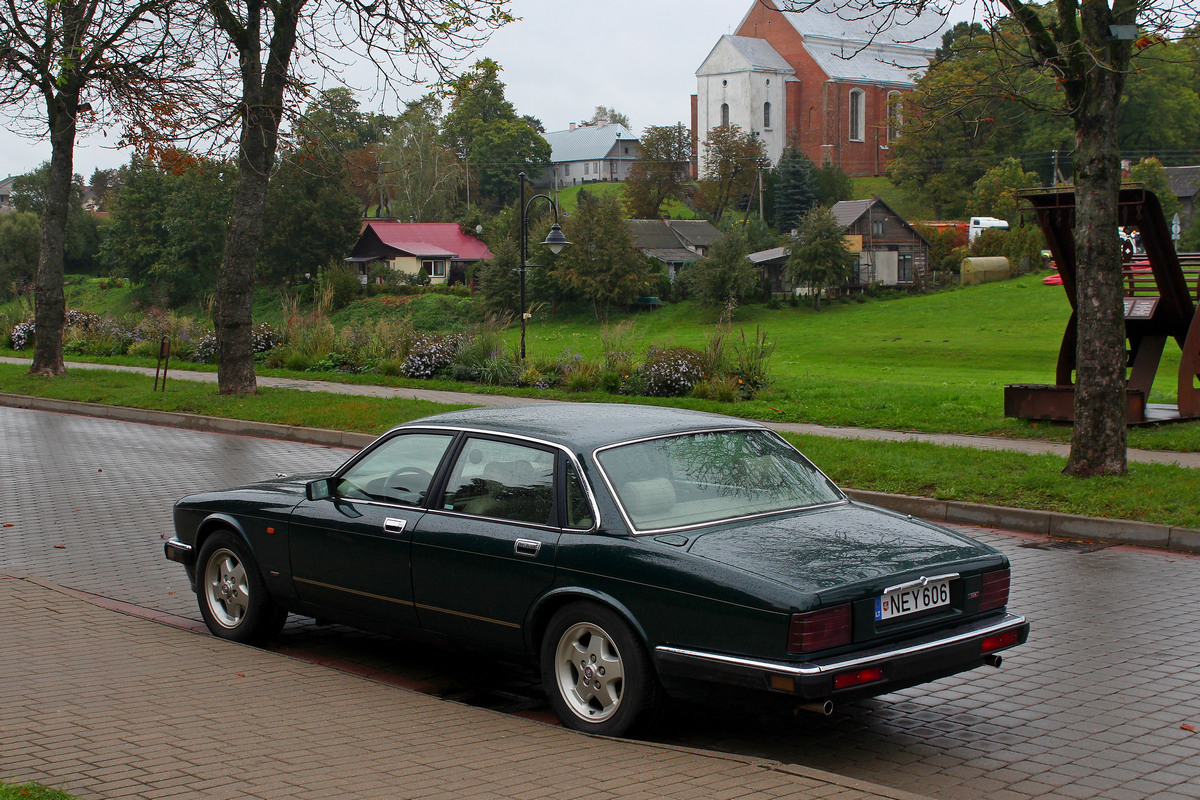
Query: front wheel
x=596 y=672
x=234 y=600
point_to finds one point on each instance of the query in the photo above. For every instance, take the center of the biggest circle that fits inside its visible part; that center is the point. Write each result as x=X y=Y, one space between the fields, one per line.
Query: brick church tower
x=831 y=80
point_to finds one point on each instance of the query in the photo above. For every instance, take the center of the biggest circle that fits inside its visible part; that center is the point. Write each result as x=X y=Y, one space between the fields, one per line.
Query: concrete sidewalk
x=106 y=705
x=1030 y=446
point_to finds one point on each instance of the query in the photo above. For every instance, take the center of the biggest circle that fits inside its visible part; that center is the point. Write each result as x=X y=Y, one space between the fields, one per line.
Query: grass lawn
x=568 y=200
x=1152 y=493
x=900 y=201
x=935 y=363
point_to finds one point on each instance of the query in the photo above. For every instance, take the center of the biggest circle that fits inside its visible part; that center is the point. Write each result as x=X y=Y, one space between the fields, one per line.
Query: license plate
x=912 y=599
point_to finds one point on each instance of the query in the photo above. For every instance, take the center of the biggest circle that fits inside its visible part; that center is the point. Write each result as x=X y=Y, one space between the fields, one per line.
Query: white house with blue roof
x=590 y=153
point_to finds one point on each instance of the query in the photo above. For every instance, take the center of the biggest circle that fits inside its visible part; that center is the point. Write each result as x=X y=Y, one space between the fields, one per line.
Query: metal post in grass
x=554 y=240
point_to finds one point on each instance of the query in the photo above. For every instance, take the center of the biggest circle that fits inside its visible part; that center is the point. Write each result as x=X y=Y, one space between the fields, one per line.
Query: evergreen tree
x=795 y=188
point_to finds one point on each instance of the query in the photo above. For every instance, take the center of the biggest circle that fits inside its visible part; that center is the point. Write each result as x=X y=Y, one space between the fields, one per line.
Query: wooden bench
x=1162 y=295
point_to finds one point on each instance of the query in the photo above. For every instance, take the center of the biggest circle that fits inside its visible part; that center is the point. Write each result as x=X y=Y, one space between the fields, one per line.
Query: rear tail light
x=998 y=641
x=994 y=592
x=847 y=679
x=819 y=630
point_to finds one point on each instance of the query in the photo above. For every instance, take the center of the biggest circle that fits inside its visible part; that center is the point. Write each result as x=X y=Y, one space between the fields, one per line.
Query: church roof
x=586 y=142
x=866 y=41
x=757 y=54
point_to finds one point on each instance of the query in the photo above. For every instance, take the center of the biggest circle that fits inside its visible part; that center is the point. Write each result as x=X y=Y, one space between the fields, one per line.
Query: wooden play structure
x=1162 y=294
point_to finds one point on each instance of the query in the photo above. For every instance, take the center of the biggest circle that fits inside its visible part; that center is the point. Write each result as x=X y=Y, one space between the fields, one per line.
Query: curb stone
x=1049 y=523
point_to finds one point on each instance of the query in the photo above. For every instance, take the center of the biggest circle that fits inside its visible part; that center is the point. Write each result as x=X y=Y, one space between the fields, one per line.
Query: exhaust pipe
x=825 y=708
x=993 y=660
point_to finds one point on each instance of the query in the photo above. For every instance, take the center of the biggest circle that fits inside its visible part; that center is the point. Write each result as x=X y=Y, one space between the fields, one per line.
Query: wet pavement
x=1101 y=702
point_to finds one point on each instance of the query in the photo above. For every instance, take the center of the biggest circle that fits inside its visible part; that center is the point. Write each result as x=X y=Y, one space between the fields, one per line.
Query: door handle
x=527 y=547
x=393 y=525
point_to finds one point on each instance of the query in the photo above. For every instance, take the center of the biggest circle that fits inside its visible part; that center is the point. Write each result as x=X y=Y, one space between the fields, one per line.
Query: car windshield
x=699 y=478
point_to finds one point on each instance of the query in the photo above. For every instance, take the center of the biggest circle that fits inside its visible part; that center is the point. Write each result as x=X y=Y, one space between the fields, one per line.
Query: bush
x=722 y=389
x=206 y=349
x=338 y=282
x=430 y=354
x=22 y=335
x=610 y=382
x=672 y=372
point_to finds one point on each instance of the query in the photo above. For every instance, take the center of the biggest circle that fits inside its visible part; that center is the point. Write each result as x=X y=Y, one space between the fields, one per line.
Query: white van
x=979 y=224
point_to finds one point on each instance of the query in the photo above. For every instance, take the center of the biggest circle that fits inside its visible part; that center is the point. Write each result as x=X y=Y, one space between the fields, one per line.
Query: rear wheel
x=596 y=672
x=233 y=597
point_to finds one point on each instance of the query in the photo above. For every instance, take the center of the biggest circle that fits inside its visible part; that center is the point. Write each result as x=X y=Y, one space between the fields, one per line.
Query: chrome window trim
x=752 y=428
x=1009 y=621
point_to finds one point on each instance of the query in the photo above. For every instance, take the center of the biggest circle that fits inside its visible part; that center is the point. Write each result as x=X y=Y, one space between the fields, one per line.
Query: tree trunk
x=1098 y=440
x=233 y=310
x=262 y=108
x=50 y=305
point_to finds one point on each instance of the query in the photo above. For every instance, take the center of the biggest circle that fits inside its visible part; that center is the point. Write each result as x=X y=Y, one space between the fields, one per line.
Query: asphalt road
x=1099 y=703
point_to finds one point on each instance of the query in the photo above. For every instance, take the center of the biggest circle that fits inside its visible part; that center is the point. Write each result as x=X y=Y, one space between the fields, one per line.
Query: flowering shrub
x=206 y=348
x=266 y=338
x=21 y=333
x=672 y=371
x=429 y=354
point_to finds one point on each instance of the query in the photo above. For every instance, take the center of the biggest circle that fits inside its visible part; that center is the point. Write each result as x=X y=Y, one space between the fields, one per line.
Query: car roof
x=582 y=426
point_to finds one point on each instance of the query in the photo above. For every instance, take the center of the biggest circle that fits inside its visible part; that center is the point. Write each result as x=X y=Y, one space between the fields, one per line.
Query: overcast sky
x=561 y=60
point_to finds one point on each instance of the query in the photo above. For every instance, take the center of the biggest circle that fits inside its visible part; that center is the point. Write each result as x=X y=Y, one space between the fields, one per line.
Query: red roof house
x=441 y=249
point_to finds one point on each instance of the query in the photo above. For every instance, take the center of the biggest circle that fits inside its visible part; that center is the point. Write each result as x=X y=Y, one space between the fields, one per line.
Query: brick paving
x=1092 y=706
x=108 y=706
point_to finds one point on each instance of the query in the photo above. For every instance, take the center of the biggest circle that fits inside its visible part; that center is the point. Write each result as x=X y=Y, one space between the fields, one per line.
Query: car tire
x=233 y=596
x=596 y=672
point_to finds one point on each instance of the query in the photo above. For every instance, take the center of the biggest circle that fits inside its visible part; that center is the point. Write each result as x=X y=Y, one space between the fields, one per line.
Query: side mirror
x=320 y=489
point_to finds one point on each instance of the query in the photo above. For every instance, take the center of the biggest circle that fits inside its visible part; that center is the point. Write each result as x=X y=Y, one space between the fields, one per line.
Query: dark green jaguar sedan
x=634 y=552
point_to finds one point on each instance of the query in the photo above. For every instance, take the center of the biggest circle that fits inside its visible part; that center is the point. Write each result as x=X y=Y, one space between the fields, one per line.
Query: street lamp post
x=555 y=241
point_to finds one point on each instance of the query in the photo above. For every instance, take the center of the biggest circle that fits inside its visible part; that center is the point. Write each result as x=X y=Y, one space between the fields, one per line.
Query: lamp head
x=555 y=239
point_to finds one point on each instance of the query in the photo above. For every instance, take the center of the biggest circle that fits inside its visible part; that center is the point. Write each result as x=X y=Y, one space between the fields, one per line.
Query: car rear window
x=699 y=478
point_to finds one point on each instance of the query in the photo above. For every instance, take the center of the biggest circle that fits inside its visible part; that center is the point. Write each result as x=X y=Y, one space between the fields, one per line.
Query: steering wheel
x=398 y=483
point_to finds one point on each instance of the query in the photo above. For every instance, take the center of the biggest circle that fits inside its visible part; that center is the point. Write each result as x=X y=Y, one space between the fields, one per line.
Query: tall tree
x=19 y=234
x=483 y=128
x=602 y=263
x=167 y=224
x=311 y=218
x=660 y=172
x=265 y=35
x=818 y=257
x=725 y=275
x=421 y=175
x=32 y=193
x=72 y=62
x=995 y=194
x=732 y=160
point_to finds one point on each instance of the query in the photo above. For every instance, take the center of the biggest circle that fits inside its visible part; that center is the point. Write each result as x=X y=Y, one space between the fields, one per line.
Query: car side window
x=502 y=480
x=398 y=471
